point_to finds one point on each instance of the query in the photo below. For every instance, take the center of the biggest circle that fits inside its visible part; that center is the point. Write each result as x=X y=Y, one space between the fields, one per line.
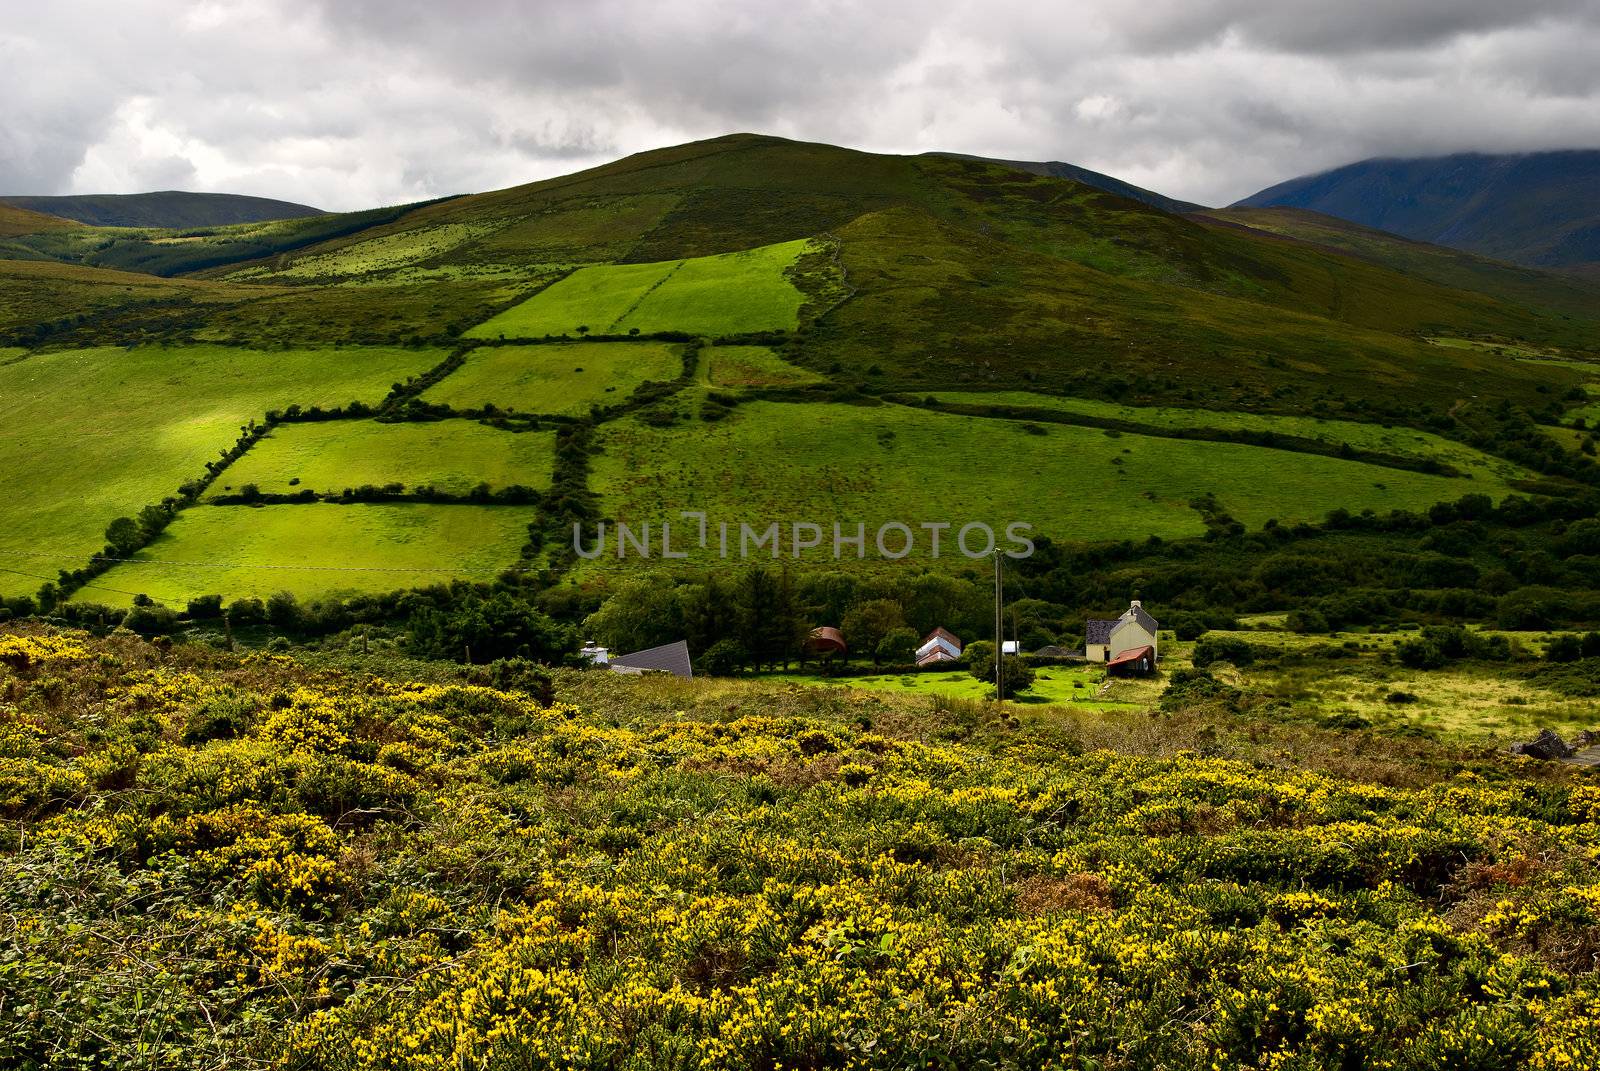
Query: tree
x=898 y=648
x=246 y=612
x=866 y=625
x=1018 y=674
x=152 y=521
x=725 y=658
x=768 y=615
x=499 y=626
x=123 y=537
x=641 y=613
x=283 y=611
x=205 y=607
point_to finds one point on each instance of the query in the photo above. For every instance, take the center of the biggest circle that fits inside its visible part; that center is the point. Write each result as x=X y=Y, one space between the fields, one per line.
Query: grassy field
x=734 y=367
x=560 y=379
x=316 y=549
x=87 y=436
x=732 y=293
x=1375 y=438
x=773 y=461
x=450 y=455
x=1084 y=687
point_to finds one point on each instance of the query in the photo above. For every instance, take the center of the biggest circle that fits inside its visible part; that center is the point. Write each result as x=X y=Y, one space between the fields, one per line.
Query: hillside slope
x=1540 y=209
x=1565 y=292
x=15 y=222
x=167 y=208
x=1100 y=181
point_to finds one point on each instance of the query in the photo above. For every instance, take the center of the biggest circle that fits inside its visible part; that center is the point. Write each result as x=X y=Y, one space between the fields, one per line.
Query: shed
x=1138 y=662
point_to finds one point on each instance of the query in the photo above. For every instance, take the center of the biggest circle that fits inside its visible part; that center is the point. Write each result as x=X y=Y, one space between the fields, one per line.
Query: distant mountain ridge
x=1539 y=209
x=166 y=208
x=1108 y=183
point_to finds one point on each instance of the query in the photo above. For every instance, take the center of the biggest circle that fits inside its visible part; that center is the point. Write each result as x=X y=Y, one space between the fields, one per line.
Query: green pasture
x=367 y=255
x=1399 y=441
x=826 y=462
x=1082 y=686
x=557 y=379
x=87 y=436
x=726 y=294
x=450 y=455
x=737 y=367
x=316 y=549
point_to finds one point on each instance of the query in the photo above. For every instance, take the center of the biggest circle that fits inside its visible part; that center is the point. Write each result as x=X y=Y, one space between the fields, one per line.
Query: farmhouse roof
x=670 y=658
x=941 y=633
x=1136 y=611
x=1098 y=629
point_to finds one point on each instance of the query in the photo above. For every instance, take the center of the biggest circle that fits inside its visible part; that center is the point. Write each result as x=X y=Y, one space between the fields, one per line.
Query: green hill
x=168 y=208
x=1540 y=209
x=682 y=322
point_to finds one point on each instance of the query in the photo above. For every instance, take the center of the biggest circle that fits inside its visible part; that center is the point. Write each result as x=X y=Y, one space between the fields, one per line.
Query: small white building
x=594 y=654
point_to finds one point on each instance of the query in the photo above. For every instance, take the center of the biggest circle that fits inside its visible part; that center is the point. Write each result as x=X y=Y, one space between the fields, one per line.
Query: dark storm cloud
x=345 y=103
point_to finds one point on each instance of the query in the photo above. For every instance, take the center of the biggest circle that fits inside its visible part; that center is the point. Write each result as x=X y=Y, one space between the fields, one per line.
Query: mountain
x=1538 y=209
x=168 y=208
x=1058 y=169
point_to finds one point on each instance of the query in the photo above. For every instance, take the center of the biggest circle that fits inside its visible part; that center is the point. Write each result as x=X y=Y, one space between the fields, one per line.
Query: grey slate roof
x=670 y=658
x=1147 y=622
x=1098 y=630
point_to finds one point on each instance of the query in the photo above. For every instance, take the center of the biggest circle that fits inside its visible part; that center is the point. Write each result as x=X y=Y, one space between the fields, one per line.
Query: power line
x=52 y=579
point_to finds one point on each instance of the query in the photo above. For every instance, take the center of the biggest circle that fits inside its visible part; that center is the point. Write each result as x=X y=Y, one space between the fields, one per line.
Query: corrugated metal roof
x=826 y=638
x=670 y=658
x=1133 y=656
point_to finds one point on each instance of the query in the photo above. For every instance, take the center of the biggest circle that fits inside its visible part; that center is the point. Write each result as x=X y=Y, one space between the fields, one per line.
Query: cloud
x=348 y=103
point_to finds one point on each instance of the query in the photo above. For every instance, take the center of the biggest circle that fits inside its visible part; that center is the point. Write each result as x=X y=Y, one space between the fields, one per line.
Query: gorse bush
x=217 y=862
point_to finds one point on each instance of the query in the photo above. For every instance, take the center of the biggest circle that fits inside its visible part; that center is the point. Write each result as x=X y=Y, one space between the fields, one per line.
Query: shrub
x=1223 y=649
x=205 y=607
x=725 y=658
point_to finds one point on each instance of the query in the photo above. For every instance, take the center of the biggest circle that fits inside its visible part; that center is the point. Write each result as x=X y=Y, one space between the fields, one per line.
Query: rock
x=1585 y=738
x=1547 y=745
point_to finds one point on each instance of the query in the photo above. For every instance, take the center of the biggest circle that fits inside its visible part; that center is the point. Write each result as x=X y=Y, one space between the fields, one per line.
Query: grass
x=733 y=293
x=774 y=461
x=450 y=455
x=1375 y=438
x=563 y=379
x=750 y=366
x=87 y=436
x=1083 y=687
x=316 y=549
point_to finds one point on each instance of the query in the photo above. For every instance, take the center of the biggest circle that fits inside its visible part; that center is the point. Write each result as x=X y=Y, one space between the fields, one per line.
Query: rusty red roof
x=826 y=638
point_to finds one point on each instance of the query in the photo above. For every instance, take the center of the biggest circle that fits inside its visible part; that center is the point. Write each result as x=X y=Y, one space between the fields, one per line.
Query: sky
x=346 y=104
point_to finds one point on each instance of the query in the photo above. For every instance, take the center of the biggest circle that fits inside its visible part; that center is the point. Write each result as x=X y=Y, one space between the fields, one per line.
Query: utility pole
x=999 y=633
